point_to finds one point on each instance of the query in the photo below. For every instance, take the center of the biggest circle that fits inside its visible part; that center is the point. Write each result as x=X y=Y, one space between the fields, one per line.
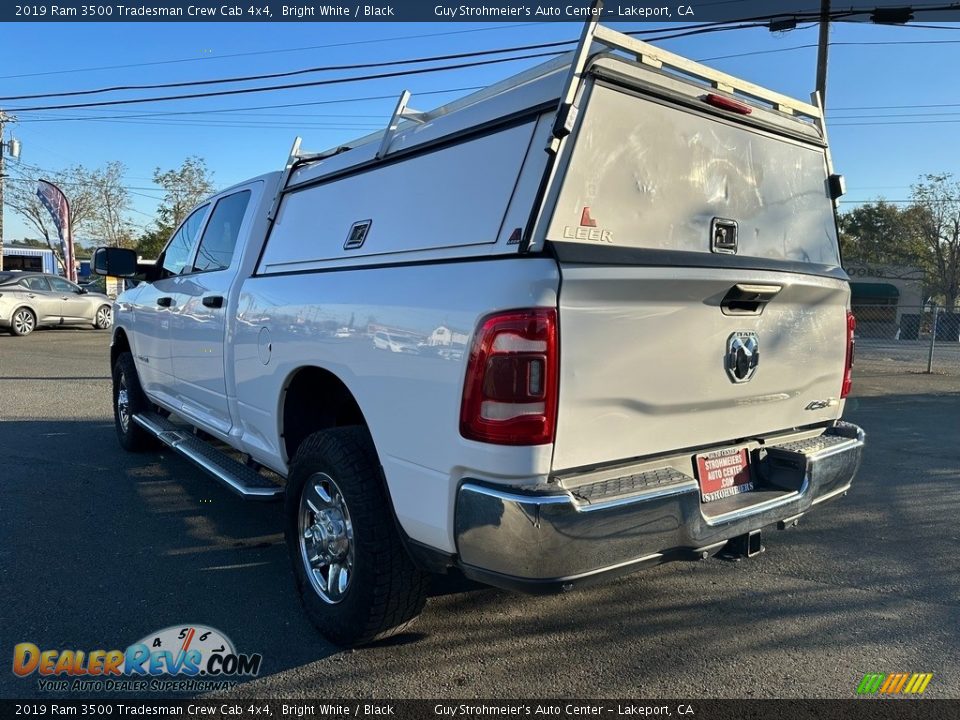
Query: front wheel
x=103 y=320
x=356 y=580
x=128 y=400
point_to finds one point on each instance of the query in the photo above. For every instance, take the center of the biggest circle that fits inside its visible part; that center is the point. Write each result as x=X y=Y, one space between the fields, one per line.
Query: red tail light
x=848 y=364
x=725 y=103
x=510 y=392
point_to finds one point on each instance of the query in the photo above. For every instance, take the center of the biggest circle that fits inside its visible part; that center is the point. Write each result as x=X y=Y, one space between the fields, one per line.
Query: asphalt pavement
x=99 y=547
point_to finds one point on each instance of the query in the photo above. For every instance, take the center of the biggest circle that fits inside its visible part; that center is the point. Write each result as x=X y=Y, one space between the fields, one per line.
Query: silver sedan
x=29 y=300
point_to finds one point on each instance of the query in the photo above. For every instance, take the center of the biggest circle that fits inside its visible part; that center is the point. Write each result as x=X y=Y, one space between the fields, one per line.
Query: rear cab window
x=220 y=235
x=179 y=251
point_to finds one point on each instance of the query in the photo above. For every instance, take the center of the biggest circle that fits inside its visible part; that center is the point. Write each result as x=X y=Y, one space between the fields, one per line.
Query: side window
x=176 y=257
x=36 y=283
x=62 y=286
x=220 y=236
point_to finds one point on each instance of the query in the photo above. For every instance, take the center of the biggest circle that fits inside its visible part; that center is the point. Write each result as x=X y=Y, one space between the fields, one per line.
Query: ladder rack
x=663 y=59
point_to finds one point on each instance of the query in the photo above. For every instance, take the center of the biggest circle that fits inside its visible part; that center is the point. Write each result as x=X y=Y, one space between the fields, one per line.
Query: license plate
x=724 y=473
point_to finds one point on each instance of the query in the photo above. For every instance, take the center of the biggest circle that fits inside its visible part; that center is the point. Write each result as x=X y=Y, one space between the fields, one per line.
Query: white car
x=30 y=300
x=393 y=343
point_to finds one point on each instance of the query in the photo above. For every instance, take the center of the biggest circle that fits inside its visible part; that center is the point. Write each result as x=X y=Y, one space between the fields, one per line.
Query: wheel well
x=120 y=345
x=315 y=399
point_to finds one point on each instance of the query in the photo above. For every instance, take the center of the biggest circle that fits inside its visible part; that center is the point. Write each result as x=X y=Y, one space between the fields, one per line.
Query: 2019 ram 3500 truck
x=450 y=349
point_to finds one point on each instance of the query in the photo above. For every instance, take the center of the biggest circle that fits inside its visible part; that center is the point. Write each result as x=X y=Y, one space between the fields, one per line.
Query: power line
x=894 y=107
x=292 y=73
x=833 y=44
x=903 y=122
x=76 y=184
x=698 y=30
x=262 y=52
x=902 y=115
x=687 y=32
x=288 y=86
x=310 y=103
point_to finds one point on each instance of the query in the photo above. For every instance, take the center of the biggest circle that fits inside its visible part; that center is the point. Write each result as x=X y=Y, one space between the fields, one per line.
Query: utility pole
x=3 y=149
x=822 y=47
x=13 y=147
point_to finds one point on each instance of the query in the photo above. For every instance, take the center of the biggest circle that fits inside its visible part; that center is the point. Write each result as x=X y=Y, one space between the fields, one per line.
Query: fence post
x=933 y=338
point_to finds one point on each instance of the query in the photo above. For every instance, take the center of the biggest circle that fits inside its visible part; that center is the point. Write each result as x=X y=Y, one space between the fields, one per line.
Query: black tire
x=386 y=591
x=103 y=318
x=23 y=322
x=132 y=437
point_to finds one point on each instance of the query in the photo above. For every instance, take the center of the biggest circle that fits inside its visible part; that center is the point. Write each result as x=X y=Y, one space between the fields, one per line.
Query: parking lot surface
x=99 y=547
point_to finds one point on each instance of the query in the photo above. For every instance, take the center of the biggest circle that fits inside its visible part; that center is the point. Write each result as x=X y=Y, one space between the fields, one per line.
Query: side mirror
x=82 y=291
x=115 y=262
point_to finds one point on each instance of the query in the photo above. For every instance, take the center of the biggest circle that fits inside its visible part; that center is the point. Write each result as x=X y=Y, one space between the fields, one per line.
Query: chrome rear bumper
x=553 y=540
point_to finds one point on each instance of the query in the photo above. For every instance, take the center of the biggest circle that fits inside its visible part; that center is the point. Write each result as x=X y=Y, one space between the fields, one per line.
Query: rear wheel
x=103 y=320
x=23 y=322
x=128 y=400
x=354 y=576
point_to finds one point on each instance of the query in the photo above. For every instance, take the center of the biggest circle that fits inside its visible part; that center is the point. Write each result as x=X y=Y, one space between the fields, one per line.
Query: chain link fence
x=895 y=339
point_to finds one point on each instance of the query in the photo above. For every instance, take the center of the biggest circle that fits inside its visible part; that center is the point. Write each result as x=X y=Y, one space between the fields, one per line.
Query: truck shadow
x=136 y=543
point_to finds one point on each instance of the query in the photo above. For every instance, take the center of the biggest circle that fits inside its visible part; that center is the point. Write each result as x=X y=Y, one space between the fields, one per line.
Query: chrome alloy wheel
x=123 y=403
x=104 y=317
x=23 y=321
x=326 y=538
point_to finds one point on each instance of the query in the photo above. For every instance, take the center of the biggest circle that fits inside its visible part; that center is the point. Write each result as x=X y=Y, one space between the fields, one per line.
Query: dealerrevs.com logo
x=184 y=658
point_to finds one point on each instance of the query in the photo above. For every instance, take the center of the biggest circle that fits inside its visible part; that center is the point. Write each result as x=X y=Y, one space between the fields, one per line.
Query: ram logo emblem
x=743 y=355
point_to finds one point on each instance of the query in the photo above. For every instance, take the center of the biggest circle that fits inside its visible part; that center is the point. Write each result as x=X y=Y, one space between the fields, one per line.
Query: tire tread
x=398 y=589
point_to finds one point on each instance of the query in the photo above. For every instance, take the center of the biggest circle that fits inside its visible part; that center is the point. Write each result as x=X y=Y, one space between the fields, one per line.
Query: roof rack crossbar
x=664 y=59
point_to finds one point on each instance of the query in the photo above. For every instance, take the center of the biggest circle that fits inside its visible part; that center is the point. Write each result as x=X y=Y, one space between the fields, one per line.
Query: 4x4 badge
x=743 y=355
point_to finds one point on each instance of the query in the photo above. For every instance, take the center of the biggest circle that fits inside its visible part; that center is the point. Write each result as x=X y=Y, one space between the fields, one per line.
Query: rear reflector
x=848 y=363
x=725 y=103
x=510 y=391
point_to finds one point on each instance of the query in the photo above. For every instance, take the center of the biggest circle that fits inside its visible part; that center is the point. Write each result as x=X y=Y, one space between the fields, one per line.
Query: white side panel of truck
x=409 y=391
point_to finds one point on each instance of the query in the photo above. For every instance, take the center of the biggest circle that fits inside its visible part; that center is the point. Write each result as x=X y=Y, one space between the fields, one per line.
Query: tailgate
x=701 y=301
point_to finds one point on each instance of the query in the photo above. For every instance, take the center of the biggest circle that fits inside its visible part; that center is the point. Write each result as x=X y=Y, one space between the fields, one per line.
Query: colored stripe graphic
x=894 y=683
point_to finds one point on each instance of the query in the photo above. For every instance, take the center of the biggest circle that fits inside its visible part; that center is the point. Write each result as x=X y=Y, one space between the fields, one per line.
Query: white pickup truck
x=452 y=351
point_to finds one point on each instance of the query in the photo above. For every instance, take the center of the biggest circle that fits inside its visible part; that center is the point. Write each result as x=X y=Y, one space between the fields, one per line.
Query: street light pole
x=822 y=47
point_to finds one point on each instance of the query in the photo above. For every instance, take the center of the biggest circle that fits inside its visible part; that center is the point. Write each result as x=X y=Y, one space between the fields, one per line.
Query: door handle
x=213 y=301
x=748 y=298
x=165 y=301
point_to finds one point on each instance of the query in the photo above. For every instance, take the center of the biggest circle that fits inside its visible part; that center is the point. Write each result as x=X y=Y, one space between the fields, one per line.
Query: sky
x=893 y=99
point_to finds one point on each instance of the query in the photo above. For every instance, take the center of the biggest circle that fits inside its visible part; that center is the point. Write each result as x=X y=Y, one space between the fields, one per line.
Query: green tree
x=880 y=233
x=107 y=220
x=151 y=243
x=184 y=188
x=937 y=198
x=29 y=242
